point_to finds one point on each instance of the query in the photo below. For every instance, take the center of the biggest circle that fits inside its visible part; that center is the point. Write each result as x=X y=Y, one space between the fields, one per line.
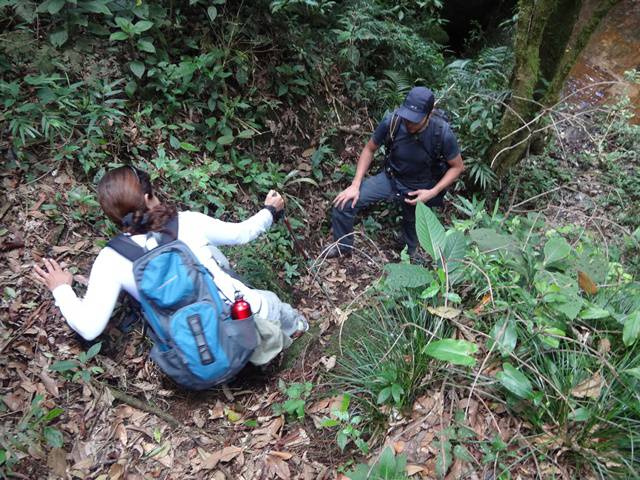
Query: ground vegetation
x=509 y=351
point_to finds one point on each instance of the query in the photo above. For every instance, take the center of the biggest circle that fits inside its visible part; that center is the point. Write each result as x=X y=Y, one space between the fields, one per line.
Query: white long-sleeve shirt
x=111 y=272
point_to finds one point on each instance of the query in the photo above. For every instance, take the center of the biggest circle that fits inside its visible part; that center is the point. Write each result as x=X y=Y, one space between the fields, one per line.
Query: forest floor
x=231 y=432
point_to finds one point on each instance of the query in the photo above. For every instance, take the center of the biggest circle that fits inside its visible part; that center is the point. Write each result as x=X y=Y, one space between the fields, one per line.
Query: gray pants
x=274 y=329
x=375 y=189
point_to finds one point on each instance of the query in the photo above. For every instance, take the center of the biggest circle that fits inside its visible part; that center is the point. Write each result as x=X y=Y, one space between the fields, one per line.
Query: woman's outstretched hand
x=275 y=200
x=54 y=276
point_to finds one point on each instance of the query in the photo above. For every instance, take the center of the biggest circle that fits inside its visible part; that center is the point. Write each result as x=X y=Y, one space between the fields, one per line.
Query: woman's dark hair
x=121 y=193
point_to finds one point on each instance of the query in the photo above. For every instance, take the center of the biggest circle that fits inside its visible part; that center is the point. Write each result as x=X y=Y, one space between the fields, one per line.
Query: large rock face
x=463 y=15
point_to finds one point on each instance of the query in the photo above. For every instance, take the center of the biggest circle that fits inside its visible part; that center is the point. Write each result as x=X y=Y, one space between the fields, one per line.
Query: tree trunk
x=532 y=19
x=540 y=36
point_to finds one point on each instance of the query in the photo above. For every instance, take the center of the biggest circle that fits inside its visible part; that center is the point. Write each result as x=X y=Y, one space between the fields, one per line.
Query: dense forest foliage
x=512 y=350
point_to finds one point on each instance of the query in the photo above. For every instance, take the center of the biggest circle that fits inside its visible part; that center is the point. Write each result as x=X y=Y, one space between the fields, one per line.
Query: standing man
x=422 y=159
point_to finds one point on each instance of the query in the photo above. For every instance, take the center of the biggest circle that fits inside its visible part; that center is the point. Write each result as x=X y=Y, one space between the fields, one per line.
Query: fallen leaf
x=413 y=469
x=589 y=388
x=57 y=461
x=445 y=312
x=282 y=455
x=277 y=466
x=329 y=362
x=586 y=284
x=485 y=299
x=217 y=411
x=49 y=383
x=604 y=346
x=225 y=455
x=116 y=471
x=232 y=416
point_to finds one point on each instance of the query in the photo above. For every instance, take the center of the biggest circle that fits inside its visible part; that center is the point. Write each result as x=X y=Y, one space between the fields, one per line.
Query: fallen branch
x=144 y=406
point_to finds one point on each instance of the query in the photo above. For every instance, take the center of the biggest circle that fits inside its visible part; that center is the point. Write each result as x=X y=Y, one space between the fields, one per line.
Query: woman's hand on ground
x=54 y=276
x=275 y=200
x=349 y=194
x=422 y=195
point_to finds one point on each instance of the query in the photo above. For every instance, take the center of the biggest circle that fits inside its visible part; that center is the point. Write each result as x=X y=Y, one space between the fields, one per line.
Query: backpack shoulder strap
x=394 y=125
x=132 y=251
x=438 y=137
x=126 y=247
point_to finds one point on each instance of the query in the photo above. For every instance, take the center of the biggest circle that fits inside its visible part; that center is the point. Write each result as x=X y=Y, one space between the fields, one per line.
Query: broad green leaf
x=130 y=88
x=95 y=6
x=504 y=335
x=59 y=37
x=580 y=414
x=3 y=457
x=515 y=381
x=406 y=275
x=53 y=437
x=64 y=365
x=430 y=231
x=123 y=23
x=53 y=414
x=225 y=139
x=444 y=458
x=594 y=313
x=116 y=36
x=631 y=328
x=212 y=12
x=488 y=239
x=461 y=453
x=396 y=392
x=455 y=249
x=189 y=147
x=384 y=395
x=174 y=142
x=330 y=422
x=137 y=68
x=570 y=308
x=51 y=6
x=248 y=133
x=142 y=26
x=458 y=352
x=146 y=46
x=342 y=440
x=94 y=350
x=556 y=249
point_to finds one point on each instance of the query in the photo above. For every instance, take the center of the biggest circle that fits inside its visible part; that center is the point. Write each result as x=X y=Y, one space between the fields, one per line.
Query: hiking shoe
x=337 y=252
x=303 y=327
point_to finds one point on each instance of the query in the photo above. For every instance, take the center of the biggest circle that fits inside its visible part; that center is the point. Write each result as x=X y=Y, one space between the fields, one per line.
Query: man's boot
x=339 y=252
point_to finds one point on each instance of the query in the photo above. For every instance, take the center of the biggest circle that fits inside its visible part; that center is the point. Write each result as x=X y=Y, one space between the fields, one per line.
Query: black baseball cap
x=417 y=105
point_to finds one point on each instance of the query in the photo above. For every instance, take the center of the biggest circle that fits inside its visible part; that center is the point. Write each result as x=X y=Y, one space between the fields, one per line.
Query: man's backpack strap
x=439 y=135
x=394 y=125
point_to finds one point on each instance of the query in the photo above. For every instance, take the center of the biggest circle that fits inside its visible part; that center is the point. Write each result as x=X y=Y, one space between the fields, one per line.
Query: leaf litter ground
x=226 y=433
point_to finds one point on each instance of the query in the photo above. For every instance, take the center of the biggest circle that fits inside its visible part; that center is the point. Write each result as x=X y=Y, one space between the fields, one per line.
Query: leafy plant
x=32 y=431
x=348 y=430
x=387 y=467
x=297 y=394
x=77 y=369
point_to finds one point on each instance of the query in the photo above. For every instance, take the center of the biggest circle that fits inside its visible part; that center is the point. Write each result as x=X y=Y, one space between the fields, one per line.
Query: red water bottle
x=240 y=310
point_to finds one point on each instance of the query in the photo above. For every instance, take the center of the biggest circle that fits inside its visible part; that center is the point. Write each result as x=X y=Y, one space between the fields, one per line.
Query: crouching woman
x=126 y=197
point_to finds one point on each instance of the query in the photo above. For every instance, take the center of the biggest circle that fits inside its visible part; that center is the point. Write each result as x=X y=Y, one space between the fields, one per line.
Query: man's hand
x=54 y=276
x=350 y=194
x=422 y=195
x=275 y=200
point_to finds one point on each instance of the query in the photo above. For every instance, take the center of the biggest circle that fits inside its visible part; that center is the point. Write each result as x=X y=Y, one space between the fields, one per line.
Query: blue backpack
x=196 y=342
